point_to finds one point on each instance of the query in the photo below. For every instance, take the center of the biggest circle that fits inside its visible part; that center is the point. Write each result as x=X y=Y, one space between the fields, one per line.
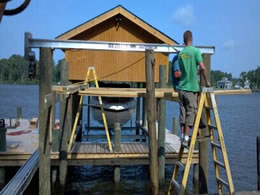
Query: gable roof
x=109 y=14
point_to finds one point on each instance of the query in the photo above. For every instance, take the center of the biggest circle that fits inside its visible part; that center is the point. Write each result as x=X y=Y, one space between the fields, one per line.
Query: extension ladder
x=86 y=82
x=207 y=101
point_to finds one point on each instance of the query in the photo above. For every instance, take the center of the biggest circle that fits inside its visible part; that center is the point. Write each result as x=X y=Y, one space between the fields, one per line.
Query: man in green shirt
x=189 y=58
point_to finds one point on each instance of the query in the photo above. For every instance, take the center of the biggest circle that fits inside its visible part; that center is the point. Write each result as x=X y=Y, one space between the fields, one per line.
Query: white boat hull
x=117 y=110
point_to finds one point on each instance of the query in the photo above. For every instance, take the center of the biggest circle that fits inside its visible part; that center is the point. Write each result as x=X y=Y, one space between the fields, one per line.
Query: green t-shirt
x=189 y=58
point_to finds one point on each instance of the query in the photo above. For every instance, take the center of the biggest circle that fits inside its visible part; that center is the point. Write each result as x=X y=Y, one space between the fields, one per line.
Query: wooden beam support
x=45 y=82
x=153 y=147
x=167 y=93
x=203 y=146
x=138 y=104
x=161 y=127
x=117 y=140
x=65 y=128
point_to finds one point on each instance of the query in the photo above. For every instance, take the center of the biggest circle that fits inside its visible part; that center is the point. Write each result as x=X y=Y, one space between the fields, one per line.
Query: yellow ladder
x=73 y=137
x=207 y=101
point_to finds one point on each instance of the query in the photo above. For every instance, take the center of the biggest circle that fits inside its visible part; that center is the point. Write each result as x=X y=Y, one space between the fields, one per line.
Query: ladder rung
x=176 y=184
x=180 y=164
x=212 y=126
x=215 y=145
x=222 y=181
x=219 y=163
x=208 y=107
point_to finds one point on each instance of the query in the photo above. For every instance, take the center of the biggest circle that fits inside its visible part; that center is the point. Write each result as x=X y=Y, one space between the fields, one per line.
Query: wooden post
x=2 y=139
x=2 y=178
x=175 y=126
x=117 y=140
x=137 y=113
x=258 y=161
x=203 y=146
x=88 y=114
x=45 y=83
x=144 y=111
x=153 y=148
x=54 y=170
x=76 y=99
x=195 y=179
x=19 y=113
x=65 y=128
x=2 y=149
x=161 y=129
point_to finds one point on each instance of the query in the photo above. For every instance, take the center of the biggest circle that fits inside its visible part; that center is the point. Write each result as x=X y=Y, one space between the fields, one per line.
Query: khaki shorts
x=188 y=107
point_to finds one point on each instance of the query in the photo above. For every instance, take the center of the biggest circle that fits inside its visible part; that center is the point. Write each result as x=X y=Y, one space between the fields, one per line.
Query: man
x=189 y=58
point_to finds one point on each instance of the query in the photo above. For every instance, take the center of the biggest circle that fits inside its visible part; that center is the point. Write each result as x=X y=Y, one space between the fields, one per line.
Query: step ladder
x=207 y=101
x=73 y=136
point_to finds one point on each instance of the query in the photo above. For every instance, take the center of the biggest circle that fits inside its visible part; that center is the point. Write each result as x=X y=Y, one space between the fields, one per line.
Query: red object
x=19 y=132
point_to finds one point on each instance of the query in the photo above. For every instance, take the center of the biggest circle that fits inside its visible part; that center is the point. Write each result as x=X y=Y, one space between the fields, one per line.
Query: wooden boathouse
x=115 y=25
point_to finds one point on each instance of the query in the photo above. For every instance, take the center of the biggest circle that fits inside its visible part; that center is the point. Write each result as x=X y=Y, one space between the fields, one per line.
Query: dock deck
x=22 y=141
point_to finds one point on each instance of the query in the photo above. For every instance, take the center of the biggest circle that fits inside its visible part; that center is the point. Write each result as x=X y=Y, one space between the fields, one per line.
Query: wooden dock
x=23 y=141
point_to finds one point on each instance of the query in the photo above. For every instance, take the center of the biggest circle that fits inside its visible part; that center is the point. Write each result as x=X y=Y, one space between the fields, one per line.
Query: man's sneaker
x=186 y=141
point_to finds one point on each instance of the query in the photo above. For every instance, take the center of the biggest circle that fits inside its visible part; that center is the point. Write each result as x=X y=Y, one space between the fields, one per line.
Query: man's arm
x=204 y=73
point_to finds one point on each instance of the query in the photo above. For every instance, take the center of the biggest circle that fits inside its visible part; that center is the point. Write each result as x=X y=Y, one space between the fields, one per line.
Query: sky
x=232 y=26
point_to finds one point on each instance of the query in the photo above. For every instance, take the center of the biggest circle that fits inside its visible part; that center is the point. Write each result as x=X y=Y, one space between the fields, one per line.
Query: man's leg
x=182 y=131
x=191 y=108
x=182 y=113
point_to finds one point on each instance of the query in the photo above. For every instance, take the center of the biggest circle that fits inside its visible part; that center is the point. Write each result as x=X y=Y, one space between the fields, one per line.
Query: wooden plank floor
x=126 y=148
x=85 y=153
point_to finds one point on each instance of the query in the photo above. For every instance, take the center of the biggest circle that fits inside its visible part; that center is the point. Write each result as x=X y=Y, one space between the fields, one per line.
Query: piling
x=45 y=83
x=88 y=120
x=161 y=129
x=117 y=140
x=138 y=103
x=195 y=178
x=2 y=136
x=75 y=105
x=19 y=113
x=117 y=137
x=175 y=126
x=144 y=110
x=203 y=145
x=258 y=161
x=65 y=128
x=55 y=148
x=150 y=95
x=2 y=149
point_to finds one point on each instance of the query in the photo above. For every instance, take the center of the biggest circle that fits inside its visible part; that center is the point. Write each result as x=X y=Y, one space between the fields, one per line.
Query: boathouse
x=115 y=25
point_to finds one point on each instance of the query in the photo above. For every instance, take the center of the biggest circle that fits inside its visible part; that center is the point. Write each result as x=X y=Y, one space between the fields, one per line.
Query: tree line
x=15 y=70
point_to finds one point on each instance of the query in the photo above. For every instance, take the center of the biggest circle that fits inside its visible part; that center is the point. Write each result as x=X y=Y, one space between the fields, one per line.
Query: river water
x=240 y=119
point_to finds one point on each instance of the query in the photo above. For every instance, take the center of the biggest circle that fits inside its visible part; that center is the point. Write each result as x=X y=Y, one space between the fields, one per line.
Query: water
x=240 y=122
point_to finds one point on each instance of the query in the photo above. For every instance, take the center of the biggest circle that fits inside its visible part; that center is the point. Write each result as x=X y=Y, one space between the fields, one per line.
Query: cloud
x=229 y=44
x=184 y=15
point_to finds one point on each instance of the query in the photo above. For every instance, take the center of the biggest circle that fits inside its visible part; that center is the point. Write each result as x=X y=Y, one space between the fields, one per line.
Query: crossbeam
x=105 y=45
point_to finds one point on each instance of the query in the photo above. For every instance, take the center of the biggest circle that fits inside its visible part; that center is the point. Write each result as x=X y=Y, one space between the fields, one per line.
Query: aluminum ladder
x=207 y=101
